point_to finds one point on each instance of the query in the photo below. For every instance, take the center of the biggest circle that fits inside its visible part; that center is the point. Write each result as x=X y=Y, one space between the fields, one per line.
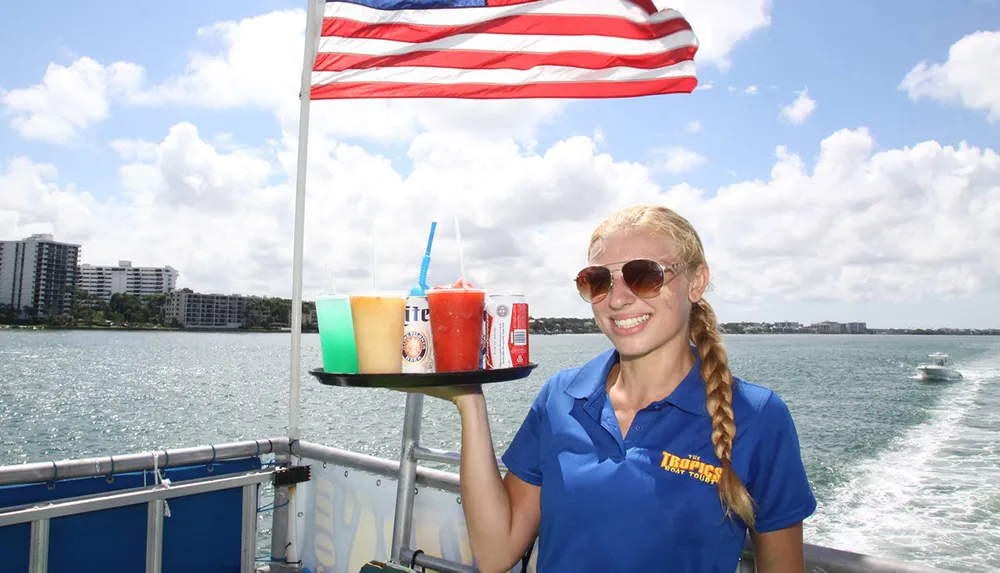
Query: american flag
x=497 y=49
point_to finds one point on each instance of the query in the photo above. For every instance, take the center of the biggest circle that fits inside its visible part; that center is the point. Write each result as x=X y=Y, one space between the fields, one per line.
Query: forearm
x=485 y=500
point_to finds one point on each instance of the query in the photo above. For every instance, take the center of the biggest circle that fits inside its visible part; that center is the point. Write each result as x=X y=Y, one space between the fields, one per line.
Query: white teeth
x=630 y=322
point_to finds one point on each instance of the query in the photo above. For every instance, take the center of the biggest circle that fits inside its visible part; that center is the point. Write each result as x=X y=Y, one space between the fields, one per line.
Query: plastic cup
x=456 y=327
x=336 y=334
x=378 y=331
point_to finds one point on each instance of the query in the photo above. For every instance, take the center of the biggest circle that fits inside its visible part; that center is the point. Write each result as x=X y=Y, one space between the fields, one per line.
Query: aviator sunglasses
x=643 y=277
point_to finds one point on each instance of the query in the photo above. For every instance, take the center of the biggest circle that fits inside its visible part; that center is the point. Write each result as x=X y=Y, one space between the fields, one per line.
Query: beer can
x=506 y=332
x=418 y=351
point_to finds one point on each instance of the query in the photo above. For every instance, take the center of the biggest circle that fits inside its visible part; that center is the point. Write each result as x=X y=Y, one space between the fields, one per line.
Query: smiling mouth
x=630 y=322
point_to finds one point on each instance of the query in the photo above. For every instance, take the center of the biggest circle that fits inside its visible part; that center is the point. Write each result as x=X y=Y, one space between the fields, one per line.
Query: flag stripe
x=624 y=9
x=540 y=24
x=468 y=49
x=510 y=43
x=582 y=89
x=539 y=74
x=468 y=60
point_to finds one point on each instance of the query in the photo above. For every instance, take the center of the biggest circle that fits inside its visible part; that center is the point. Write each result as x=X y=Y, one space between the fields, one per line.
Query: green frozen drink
x=336 y=334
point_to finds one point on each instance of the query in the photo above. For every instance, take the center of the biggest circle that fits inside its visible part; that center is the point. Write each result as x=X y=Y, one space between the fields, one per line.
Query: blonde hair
x=704 y=334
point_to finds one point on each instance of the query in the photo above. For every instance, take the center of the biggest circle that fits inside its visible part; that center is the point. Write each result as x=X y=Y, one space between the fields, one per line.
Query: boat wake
x=931 y=497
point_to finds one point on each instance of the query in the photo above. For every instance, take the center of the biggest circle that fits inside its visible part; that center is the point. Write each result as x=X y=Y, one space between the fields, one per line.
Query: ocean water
x=901 y=469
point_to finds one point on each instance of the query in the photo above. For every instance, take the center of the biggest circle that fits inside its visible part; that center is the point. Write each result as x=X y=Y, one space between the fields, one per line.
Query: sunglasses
x=645 y=278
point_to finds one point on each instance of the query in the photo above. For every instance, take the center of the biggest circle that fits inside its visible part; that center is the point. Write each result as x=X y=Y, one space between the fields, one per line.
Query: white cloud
x=677 y=159
x=800 y=109
x=69 y=99
x=694 y=126
x=964 y=78
x=721 y=24
x=752 y=90
x=859 y=225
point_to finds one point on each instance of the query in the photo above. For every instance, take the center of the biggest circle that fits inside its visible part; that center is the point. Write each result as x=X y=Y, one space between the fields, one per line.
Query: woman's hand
x=453 y=394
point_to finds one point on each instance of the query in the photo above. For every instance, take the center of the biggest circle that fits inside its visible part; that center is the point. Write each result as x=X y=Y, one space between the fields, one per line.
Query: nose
x=620 y=295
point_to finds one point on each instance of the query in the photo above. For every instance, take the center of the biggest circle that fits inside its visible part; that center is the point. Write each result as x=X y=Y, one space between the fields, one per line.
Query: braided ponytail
x=719 y=402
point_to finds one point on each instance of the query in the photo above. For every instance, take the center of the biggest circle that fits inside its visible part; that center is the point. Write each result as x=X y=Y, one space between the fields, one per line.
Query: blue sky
x=850 y=56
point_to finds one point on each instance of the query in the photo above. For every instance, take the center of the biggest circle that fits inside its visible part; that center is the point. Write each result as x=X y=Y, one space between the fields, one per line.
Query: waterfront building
x=104 y=281
x=39 y=275
x=196 y=310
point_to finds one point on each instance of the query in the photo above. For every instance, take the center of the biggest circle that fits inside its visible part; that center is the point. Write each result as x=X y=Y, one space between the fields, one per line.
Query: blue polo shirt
x=648 y=501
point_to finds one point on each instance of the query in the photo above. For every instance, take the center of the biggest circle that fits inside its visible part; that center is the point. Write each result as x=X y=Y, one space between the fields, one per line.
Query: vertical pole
x=406 y=485
x=308 y=56
x=280 y=516
x=279 y=523
x=249 y=529
x=38 y=553
x=154 y=536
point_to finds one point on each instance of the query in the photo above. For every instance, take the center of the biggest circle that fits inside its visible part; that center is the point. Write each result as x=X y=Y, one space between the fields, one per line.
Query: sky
x=839 y=160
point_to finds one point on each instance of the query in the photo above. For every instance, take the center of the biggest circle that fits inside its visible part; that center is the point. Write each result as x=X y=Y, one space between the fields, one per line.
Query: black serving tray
x=429 y=380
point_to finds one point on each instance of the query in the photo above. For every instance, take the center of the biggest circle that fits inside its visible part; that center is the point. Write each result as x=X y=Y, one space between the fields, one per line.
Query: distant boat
x=938 y=371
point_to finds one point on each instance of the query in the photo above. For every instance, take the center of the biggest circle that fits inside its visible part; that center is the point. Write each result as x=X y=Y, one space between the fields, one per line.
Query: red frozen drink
x=456 y=326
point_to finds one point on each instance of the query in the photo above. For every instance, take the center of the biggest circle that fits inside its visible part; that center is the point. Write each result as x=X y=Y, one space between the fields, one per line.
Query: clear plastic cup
x=456 y=327
x=378 y=331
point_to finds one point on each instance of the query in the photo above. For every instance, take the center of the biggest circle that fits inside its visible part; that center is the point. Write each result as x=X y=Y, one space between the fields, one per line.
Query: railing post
x=249 y=529
x=154 y=535
x=407 y=480
x=38 y=556
x=279 y=516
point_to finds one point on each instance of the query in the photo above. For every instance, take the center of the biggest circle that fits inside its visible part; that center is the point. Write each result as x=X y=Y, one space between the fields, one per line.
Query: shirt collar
x=590 y=382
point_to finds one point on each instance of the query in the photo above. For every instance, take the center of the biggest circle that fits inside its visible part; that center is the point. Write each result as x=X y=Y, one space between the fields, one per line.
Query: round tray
x=429 y=380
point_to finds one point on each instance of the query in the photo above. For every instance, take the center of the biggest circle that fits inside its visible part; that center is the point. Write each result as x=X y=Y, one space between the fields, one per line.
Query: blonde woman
x=651 y=456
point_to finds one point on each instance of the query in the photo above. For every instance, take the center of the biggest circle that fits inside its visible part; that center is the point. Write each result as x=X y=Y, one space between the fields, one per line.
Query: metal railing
x=155 y=496
x=406 y=470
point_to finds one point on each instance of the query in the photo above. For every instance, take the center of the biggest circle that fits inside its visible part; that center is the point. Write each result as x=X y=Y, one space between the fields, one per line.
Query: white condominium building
x=38 y=273
x=104 y=281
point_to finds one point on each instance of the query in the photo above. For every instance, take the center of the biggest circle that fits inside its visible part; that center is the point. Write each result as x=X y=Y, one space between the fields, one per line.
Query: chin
x=631 y=348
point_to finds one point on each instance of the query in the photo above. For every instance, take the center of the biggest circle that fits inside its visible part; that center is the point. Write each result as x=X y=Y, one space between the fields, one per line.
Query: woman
x=652 y=456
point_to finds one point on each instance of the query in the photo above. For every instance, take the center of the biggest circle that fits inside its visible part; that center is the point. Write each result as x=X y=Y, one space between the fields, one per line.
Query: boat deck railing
x=342 y=516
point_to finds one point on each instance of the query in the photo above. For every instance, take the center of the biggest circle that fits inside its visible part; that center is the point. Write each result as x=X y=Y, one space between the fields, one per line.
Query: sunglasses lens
x=593 y=283
x=643 y=277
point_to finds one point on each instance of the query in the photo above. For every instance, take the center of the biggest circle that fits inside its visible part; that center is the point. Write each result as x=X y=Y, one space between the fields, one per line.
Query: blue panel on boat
x=201 y=535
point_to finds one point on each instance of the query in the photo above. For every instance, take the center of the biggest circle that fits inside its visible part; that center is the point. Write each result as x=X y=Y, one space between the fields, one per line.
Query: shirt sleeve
x=778 y=483
x=523 y=457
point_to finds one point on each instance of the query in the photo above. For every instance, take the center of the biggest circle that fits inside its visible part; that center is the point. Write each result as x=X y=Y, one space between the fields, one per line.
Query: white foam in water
x=932 y=498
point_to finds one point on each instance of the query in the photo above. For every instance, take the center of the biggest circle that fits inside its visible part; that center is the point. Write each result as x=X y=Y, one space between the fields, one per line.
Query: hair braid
x=719 y=402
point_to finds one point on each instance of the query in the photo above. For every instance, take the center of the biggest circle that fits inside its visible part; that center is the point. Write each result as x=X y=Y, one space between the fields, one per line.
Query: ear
x=698 y=283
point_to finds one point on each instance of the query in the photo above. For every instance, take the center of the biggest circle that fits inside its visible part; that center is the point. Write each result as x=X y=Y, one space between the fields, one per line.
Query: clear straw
x=374 y=258
x=458 y=239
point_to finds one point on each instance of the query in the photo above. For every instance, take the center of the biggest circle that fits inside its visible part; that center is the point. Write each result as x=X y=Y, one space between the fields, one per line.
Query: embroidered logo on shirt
x=692 y=466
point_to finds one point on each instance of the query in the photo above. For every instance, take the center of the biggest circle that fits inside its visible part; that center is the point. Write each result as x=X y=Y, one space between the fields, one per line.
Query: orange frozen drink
x=378 y=331
x=456 y=326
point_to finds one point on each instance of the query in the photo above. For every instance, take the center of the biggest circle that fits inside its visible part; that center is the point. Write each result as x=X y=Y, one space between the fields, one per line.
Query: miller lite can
x=418 y=352
x=506 y=332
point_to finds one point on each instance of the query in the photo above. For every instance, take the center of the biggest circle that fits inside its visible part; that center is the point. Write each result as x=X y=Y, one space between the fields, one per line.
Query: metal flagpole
x=283 y=549
x=308 y=57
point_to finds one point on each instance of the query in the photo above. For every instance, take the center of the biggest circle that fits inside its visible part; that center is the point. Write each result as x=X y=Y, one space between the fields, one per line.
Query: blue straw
x=421 y=287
